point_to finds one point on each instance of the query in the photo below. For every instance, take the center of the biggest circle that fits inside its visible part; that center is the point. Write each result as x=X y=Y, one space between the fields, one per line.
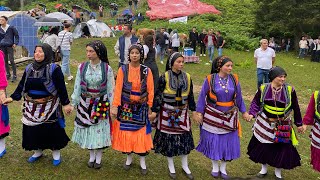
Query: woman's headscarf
x=48 y=56
x=218 y=63
x=276 y=72
x=171 y=59
x=139 y=47
x=100 y=49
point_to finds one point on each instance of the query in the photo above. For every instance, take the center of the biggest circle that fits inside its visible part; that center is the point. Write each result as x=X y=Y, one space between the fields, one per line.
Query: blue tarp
x=3 y=8
x=27 y=32
x=126 y=12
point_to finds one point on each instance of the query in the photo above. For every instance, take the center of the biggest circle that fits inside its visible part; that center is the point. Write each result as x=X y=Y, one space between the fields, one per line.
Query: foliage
x=287 y=18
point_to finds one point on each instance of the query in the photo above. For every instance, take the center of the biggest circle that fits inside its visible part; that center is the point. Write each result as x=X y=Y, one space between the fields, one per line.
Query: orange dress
x=132 y=141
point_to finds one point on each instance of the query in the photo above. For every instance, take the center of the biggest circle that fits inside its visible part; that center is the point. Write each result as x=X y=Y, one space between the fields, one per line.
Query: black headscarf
x=48 y=56
x=218 y=63
x=171 y=59
x=276 y=72
x=140 y=49
x=100 y=49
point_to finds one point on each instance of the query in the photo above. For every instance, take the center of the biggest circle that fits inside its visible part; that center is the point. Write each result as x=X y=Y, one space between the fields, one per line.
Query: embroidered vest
x=276 y=110
x=127 y=86
x=43 y=72
x=134 y=40
x=212 y=97
x=103 y=85
x=173 y=83
x=317 y=106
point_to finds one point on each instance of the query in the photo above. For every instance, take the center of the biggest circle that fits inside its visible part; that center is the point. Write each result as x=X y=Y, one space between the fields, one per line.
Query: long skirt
x=225 y=147
x=315 y=158
x=4 y=130
x=44 y=136
x=130 y=141
x=279 y=155
x=93 y=137
x=173 y=144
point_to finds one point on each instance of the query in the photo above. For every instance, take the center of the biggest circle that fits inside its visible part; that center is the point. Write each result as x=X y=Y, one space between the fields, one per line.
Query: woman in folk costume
x=4 y=116
x=133 y=98
x=92 y=96
x=219 y=103
x=44 y=92
x=312 y=118
x=173 y=98
x=273 y=137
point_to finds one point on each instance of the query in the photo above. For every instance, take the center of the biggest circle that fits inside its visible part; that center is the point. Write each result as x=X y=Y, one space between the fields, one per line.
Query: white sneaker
x=161 y=62
x=204 y=55
x=70 y=78
x=65 y=83
x=200 y=54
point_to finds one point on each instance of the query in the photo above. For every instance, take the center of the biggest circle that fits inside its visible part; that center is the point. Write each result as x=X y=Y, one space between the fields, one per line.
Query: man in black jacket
x=9 y=38
x=193 y=39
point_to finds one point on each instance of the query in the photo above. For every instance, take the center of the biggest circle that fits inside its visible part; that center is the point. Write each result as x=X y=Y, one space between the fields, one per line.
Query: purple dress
x=279 y=155
x=220 y=145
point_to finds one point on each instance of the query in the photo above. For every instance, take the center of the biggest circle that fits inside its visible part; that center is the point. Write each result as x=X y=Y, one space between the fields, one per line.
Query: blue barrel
x=188 y=51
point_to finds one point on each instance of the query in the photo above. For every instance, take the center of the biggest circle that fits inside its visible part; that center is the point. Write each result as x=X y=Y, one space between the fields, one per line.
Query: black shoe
x=14 y=78
x=97 y=166
x=277 y=178
x=126 y=167
x=173 y=175
x=190 y=176
x=90 y=164
x=259 y=175
x=8 y=76
x=144 y=171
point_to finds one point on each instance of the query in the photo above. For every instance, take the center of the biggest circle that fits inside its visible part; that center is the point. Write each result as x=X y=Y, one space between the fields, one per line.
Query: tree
x=287 y=18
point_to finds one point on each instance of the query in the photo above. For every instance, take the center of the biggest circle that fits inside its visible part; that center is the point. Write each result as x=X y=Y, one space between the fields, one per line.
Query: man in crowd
x=9 y=38
x=161 y=43
x=193 y=39
x=123 y=44
x=264 y=57
x=220 y=43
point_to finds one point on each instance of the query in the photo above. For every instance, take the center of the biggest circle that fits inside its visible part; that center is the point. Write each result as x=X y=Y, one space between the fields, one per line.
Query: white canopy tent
x=96 y=29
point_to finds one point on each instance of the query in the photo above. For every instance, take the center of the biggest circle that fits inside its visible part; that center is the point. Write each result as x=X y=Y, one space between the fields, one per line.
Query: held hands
x=2 y=97
x=68 y=109
x=246 y=116
x=302 y=129
x=152 y=116
x=6 y=100
x=114 y=112
x=197 y=117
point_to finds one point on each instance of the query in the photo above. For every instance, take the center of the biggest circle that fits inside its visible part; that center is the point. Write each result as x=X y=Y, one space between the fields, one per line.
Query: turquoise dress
x=96 y=136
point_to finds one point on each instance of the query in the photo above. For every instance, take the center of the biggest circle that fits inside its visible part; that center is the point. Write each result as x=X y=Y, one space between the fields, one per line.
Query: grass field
x=302 y=74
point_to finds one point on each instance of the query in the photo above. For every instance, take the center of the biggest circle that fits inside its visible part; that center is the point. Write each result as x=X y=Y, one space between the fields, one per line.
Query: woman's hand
x=7 y=100
x=152 y=116
x=302 y=129
x=197 y=117
x=246 y=116
x=2 y=97
x=68 y=109
x=114 y=112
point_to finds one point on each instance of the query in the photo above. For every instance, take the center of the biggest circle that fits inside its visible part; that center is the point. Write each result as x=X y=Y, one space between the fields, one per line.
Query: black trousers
x=202 y=48
x=9 y=56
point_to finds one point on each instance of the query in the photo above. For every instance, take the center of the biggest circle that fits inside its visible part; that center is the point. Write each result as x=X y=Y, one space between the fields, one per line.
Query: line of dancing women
x=122 y=114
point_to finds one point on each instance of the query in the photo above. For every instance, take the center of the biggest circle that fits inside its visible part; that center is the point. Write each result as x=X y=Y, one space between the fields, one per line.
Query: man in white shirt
x=264 y=58
x=303 y=45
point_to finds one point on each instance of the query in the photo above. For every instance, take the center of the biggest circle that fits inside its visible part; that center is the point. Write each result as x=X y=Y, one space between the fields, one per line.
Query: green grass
x=14 y=164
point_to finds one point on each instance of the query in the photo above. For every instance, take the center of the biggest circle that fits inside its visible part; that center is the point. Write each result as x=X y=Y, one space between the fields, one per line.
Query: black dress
x=46 y=135
x=150 y=61
x=172 y=144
